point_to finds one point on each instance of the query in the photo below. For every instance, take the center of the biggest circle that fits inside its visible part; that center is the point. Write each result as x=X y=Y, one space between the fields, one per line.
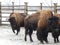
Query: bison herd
x=43 y=21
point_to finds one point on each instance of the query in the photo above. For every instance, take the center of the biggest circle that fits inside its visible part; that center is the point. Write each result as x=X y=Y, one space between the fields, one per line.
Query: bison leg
x=30 y=33
x=41 y=41
x=13 y=30
x=45 y=36
x=54 y=38
x=26 y=32
x=57 y=39
x=46 y=40
x=18 y=30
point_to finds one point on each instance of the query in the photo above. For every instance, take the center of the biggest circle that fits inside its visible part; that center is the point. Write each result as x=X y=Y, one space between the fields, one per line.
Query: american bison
x=16 y=20
x=30 y=24
x=42 y=28
x=55 y=27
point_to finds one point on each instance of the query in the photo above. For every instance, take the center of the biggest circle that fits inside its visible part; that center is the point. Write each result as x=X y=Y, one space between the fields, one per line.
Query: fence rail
x=7 y=9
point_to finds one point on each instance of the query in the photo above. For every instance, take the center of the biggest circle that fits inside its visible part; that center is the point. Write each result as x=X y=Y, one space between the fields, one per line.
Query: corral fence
x=7 y=9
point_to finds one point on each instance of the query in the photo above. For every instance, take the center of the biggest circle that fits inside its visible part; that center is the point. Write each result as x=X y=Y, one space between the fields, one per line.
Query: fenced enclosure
x=5 y=10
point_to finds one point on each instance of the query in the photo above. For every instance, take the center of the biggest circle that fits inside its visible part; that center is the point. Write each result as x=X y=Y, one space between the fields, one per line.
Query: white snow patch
x=7 y=37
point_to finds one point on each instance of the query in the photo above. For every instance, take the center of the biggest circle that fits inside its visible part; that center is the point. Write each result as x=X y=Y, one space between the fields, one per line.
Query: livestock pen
x=5 y=10
x=7 y=37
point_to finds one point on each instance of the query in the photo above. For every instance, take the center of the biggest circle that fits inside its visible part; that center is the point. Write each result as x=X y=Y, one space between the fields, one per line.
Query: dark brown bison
x=55 y=27
x=30 y=24
x=42 y=28
x=16 y=21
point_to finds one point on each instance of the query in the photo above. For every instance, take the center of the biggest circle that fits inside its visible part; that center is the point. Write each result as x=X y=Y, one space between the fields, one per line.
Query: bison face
x=53 y=21
x=13 y=22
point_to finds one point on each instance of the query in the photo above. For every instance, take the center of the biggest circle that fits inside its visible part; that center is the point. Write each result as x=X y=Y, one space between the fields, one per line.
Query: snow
x=7 y=37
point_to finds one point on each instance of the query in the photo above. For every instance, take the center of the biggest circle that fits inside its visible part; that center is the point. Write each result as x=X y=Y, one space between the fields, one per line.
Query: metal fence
x=7 y=9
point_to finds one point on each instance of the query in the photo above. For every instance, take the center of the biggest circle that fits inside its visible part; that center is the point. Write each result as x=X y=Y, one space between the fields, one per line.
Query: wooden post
x=55 y=7
x=40 y=6
x=13 y=7
x=25 y=8
x=0 y=13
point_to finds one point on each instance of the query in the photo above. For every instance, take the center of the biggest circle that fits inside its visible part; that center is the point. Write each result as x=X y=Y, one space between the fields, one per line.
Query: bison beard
x=55 y=28
x=42 y=35
x=14 y=25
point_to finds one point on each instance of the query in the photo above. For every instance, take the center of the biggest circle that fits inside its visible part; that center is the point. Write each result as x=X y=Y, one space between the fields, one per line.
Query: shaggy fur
x=55 y=27
x=30 y=24
x=16 y=20
x=43 y=24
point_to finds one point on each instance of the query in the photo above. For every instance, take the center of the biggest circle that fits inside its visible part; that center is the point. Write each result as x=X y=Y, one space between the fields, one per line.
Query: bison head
x=13 y=22
x=53 y=20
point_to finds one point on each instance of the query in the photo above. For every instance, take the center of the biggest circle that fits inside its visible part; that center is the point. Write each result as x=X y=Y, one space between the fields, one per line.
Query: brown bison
x=42 y=28
x=30 y=24
x=55 y=27
x=16 y=20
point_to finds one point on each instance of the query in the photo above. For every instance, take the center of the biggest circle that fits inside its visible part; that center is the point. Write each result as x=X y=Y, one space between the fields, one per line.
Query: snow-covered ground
x=7 y=37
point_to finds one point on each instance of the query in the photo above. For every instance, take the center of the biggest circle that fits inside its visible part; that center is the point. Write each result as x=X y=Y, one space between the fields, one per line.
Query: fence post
x=13 y=7
x=55 y=7
x=40 y=6
x=26 y=8
x=0 y=13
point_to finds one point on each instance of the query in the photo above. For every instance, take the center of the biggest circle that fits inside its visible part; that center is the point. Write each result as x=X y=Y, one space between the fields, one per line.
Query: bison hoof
x=16 y=34
x=57 y=40
x=25 y=39
x=42 y=41
x=31 y=40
